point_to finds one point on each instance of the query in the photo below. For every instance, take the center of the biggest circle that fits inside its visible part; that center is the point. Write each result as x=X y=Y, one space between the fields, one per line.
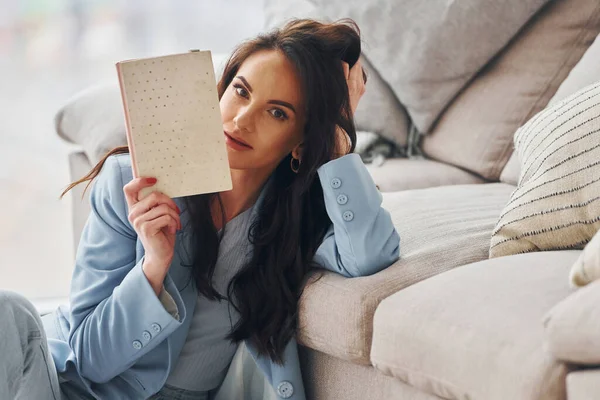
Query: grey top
x=206 y=354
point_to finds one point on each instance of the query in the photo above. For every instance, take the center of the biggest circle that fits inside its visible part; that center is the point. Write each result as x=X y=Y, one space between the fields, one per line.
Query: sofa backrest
x=425 y=51
x=476 y=130
x=429 y=50
x=584 y=73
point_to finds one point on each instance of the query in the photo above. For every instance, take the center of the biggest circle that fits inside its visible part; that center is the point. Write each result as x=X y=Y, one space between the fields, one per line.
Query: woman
x=164 y=290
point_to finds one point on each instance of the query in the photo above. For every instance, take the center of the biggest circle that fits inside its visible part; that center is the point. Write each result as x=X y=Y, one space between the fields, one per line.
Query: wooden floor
x=44 y=60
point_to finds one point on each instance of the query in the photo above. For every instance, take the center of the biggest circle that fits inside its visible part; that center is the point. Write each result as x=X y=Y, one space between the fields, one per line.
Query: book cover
x=173 y=123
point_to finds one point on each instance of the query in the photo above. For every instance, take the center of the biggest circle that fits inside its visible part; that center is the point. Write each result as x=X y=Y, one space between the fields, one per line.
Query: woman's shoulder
x=107 y=191
x=107 y=197
x=118 y=166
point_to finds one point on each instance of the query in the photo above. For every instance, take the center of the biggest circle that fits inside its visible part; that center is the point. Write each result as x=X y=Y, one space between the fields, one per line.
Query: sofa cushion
x=476 y=332
x=379 y=110
x=440 y=229
x=587 y=267
x=557 y=202
x=405 y=174
x=511 y=171
x=583 y=385
x=429 y=50
x=583 y=74
x=476 y=131
x=573 y=327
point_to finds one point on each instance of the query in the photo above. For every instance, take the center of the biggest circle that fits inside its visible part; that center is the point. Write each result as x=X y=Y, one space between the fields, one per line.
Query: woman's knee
x=17 y=308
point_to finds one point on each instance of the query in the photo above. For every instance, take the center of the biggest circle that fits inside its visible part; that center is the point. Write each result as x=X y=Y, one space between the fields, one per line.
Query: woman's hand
x=356 y=83
x=155 y=218
x=356 y=89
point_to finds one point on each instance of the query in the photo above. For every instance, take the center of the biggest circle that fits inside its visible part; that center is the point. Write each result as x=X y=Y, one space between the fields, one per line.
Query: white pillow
x=587 y=267
x=93 y=119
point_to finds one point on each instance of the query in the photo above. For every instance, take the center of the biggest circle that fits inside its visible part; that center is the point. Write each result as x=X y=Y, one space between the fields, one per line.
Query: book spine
x=128 y=132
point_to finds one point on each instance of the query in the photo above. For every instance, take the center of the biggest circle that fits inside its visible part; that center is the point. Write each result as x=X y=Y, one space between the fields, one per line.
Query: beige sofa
x=444 y=322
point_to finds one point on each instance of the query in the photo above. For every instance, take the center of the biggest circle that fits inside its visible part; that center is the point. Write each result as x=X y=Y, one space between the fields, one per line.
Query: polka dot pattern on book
x=174 y=127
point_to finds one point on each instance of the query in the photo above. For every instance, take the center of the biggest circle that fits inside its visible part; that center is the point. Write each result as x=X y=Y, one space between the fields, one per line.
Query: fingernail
x=151 y=180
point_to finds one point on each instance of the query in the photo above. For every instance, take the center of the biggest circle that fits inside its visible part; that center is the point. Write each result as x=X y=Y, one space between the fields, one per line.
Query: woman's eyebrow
x=278 y=102
x=283 y=103
x=241 y=78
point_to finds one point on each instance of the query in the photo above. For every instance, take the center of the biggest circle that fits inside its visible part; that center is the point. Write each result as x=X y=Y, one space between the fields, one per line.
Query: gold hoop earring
x=295 y=168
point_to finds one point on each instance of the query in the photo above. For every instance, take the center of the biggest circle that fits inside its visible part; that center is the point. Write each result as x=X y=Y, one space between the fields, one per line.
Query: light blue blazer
x=117 y=341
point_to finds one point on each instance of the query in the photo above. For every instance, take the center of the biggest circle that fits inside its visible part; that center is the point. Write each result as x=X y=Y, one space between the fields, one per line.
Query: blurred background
x=50 y=50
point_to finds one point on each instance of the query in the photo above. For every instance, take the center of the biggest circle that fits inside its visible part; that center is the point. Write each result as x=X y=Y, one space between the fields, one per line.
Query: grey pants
x=27 y=369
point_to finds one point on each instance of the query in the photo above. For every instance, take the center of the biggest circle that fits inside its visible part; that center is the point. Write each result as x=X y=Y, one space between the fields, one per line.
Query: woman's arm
x=112 y=302
x=362 y=239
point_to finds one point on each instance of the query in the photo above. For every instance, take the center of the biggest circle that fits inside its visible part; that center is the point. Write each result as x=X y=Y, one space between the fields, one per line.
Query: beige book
x=173 y=120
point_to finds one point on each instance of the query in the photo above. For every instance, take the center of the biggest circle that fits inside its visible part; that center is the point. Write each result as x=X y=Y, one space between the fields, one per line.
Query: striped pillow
x=557 y=202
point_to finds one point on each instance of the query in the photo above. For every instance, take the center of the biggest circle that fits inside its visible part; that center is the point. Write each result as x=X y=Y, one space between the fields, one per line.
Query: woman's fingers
x=152 y=227
x=356 y=85
x=138 y=218
x=154 y=201
x=346 y=68
x=155 y=198
x=356 y=77
x=132 y=189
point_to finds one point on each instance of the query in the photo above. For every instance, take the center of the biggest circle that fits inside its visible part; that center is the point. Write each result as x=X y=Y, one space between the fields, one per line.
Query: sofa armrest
x=583 y=385
x=79 y=166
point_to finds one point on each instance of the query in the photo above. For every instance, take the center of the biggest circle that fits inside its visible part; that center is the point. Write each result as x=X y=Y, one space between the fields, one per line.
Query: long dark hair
x=292 y=219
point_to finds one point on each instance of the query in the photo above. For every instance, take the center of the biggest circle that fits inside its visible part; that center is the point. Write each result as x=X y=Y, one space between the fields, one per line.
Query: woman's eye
x=278 y=114
x=241 y=91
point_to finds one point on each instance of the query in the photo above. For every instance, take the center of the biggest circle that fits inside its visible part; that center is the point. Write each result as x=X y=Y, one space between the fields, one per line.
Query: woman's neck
x=247 y=185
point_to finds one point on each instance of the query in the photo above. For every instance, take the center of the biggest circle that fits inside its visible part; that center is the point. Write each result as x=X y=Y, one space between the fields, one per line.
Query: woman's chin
x=236 y=163
x=249 y=161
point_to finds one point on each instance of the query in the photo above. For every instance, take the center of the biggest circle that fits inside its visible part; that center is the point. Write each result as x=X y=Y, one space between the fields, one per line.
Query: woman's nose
x=243 y=119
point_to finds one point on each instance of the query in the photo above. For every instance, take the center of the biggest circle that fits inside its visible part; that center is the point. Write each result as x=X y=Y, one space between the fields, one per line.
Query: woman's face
x=263 y=108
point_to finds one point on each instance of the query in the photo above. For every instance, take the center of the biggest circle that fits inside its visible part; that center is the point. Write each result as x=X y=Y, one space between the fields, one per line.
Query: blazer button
x=155 y=327
x=137 y=344
x=285 y=390
x=146 y=335
x=336 y=183
x=342 y=199
x=348 y=216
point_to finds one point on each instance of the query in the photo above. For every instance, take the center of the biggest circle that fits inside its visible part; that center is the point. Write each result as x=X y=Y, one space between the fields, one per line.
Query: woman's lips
x=235 y=144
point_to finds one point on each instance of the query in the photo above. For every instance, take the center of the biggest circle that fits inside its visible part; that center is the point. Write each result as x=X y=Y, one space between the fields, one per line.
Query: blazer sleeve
x=116 y=317
x=362 y=239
